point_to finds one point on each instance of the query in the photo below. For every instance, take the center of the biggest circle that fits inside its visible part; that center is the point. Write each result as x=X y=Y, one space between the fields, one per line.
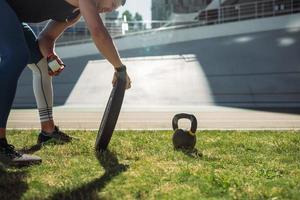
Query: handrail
x=250 y=10
x=224 y=14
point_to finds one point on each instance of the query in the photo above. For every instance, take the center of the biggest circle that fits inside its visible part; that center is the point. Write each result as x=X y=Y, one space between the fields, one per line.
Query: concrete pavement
x=162 y=87
x=209 y=117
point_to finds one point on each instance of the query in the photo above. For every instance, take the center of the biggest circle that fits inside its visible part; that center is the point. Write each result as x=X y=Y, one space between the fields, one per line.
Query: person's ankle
x=48 y=130
x=48 y=127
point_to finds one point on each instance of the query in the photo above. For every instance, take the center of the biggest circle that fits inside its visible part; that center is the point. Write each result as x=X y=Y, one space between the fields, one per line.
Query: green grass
x=143 y=165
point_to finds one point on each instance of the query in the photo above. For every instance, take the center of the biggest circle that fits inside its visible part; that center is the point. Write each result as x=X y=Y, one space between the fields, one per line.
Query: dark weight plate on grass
x=112 y=111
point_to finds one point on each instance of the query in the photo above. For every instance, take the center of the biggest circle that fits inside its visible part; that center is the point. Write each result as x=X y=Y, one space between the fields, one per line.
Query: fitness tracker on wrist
x=122 y=68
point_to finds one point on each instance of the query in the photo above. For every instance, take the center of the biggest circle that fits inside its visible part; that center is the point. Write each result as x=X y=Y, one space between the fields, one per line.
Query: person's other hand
x=55 y=65
x=56 y=73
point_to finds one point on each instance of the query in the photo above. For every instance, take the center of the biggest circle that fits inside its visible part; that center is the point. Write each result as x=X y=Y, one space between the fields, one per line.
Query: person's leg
x=43 y=90
x=42 y=82
x=14 y=55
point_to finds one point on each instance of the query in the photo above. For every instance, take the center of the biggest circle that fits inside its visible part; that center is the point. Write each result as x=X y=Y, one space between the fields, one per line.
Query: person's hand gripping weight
x=128 y=81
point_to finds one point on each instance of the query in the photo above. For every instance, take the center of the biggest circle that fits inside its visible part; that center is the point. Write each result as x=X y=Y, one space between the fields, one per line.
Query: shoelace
x=58 y=134
x=61 y=134
x=10 y=151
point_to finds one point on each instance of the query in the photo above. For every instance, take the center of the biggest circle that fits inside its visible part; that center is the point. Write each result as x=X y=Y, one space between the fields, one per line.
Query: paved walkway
x=210 y=117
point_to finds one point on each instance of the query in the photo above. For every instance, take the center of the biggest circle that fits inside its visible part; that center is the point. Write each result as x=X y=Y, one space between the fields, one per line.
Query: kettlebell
x=184 y=139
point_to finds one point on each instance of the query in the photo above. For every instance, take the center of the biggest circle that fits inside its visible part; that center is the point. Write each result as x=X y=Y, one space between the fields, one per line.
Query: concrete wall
x=253 y=63
x=171 y=36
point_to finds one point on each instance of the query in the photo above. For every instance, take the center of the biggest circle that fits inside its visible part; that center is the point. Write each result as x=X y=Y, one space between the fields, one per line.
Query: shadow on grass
x=112 y=167
x=197 y=154
x=36 y=147
x=193 y=153
x=32 y=149
x=12 y=184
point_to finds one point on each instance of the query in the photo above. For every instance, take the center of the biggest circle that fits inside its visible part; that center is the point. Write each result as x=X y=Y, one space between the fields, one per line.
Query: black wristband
x=121 y=69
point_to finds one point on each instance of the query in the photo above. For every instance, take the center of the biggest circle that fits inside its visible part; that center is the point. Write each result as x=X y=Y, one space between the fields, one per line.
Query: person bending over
x=19 y=47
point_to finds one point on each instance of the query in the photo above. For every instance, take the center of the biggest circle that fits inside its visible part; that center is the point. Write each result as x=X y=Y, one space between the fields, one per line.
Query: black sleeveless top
x=34 y=11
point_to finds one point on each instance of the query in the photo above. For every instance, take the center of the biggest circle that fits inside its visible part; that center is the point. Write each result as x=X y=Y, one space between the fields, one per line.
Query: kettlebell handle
x=192 y=118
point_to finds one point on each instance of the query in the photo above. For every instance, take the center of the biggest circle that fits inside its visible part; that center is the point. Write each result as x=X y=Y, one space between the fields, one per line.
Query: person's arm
x=51 y=33
x=99 y=33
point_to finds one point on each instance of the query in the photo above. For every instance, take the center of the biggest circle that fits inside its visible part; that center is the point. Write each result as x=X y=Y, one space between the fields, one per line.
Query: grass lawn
x=143 y=165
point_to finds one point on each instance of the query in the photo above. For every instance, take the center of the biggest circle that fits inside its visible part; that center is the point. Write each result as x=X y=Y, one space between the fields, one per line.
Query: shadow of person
x=112 y=167
x=36 y=147
x=12 y=184
x=32 y=149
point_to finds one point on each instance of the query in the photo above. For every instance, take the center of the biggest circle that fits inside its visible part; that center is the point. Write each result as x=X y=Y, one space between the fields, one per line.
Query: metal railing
x=80 y=33
x=252 y=10
x=243 y=11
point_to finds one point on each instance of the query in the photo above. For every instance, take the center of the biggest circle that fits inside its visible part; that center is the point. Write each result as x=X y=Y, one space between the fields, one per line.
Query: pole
x=220 y=11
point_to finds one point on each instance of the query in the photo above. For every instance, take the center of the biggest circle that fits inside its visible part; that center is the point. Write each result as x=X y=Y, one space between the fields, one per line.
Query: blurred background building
x=163 y=10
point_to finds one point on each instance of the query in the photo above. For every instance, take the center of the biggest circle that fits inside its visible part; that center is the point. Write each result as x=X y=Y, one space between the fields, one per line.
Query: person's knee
x=40 y=68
